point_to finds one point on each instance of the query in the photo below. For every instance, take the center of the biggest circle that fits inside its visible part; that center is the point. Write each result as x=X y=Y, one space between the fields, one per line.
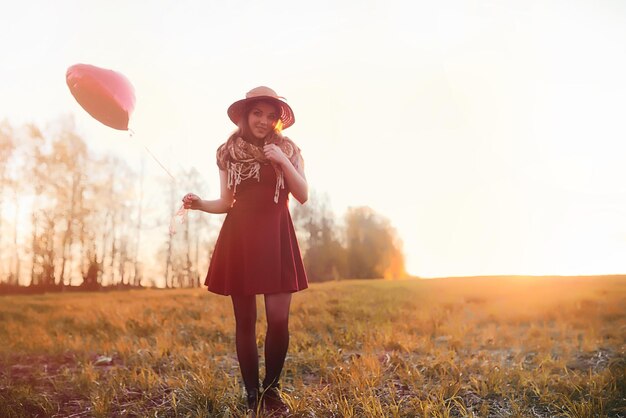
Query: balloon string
x=181 y=214
x=159 y=162
x=131 y=133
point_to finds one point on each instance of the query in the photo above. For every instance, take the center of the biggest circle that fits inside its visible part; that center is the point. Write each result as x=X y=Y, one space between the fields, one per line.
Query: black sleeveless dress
x=257 y=251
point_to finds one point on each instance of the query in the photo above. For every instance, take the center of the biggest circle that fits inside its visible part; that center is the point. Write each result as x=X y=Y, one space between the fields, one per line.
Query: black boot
x=273 y=404
x=252 y=399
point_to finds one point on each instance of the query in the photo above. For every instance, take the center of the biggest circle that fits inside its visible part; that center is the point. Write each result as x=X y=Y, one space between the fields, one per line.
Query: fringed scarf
x=242 y=160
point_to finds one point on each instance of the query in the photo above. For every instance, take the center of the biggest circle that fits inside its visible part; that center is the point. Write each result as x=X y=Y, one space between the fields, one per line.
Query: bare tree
x=137 y=274
x=169 y=265
x=67 y=169
x=7 y=147
x=97 y=210
x=16 y=267
x=113 y=196
x=41 y=274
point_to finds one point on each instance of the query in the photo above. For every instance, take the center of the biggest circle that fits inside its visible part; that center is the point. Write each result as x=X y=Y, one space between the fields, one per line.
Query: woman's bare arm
x=221 y=205
x=295 y=178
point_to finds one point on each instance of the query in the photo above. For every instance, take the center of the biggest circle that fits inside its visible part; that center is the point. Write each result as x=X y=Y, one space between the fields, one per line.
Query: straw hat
x=235 y=110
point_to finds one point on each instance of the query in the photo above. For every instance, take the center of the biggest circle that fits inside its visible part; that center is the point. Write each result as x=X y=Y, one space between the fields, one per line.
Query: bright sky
x=490 y=133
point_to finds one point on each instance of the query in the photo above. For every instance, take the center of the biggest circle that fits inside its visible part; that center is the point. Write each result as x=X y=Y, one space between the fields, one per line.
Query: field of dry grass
x=482 y=347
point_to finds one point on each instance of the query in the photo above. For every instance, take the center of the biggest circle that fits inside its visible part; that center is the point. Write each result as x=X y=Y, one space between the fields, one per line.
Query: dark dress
x=257 y=251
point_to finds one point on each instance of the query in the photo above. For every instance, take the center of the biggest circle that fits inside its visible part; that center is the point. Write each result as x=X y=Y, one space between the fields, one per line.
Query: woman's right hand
x=191 y=201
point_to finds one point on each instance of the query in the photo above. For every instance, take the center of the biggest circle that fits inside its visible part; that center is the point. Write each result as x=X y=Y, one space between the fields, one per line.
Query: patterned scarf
x=242 y=160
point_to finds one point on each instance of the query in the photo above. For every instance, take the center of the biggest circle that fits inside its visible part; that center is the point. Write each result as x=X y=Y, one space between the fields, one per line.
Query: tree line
x=363 y=246
x=70 y=219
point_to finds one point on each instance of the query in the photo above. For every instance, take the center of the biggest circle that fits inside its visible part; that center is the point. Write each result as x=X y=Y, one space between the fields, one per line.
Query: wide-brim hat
x=236 y=110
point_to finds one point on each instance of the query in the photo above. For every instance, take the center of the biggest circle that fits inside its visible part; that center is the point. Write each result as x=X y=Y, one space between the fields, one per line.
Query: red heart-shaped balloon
x=106 y=95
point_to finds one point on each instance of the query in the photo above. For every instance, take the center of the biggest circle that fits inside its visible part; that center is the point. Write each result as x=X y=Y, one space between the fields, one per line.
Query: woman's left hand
x=275 y=154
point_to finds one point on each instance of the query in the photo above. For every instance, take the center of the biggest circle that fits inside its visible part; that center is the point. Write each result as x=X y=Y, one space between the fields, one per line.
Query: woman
x=257 y=251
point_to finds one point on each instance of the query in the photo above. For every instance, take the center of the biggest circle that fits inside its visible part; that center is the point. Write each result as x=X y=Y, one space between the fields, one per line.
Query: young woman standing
x=257 y=251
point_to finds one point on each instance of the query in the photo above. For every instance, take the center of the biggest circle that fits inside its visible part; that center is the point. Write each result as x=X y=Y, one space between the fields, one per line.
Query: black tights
x=276 y=339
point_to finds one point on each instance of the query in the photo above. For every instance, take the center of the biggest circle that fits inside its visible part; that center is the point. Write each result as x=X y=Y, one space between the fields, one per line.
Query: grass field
x=483 y=347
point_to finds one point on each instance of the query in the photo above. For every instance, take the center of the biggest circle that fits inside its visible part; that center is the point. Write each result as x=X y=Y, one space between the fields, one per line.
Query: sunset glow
x=279 y=126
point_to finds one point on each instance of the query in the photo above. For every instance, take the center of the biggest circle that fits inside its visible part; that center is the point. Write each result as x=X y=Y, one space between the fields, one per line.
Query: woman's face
x=261 y=119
